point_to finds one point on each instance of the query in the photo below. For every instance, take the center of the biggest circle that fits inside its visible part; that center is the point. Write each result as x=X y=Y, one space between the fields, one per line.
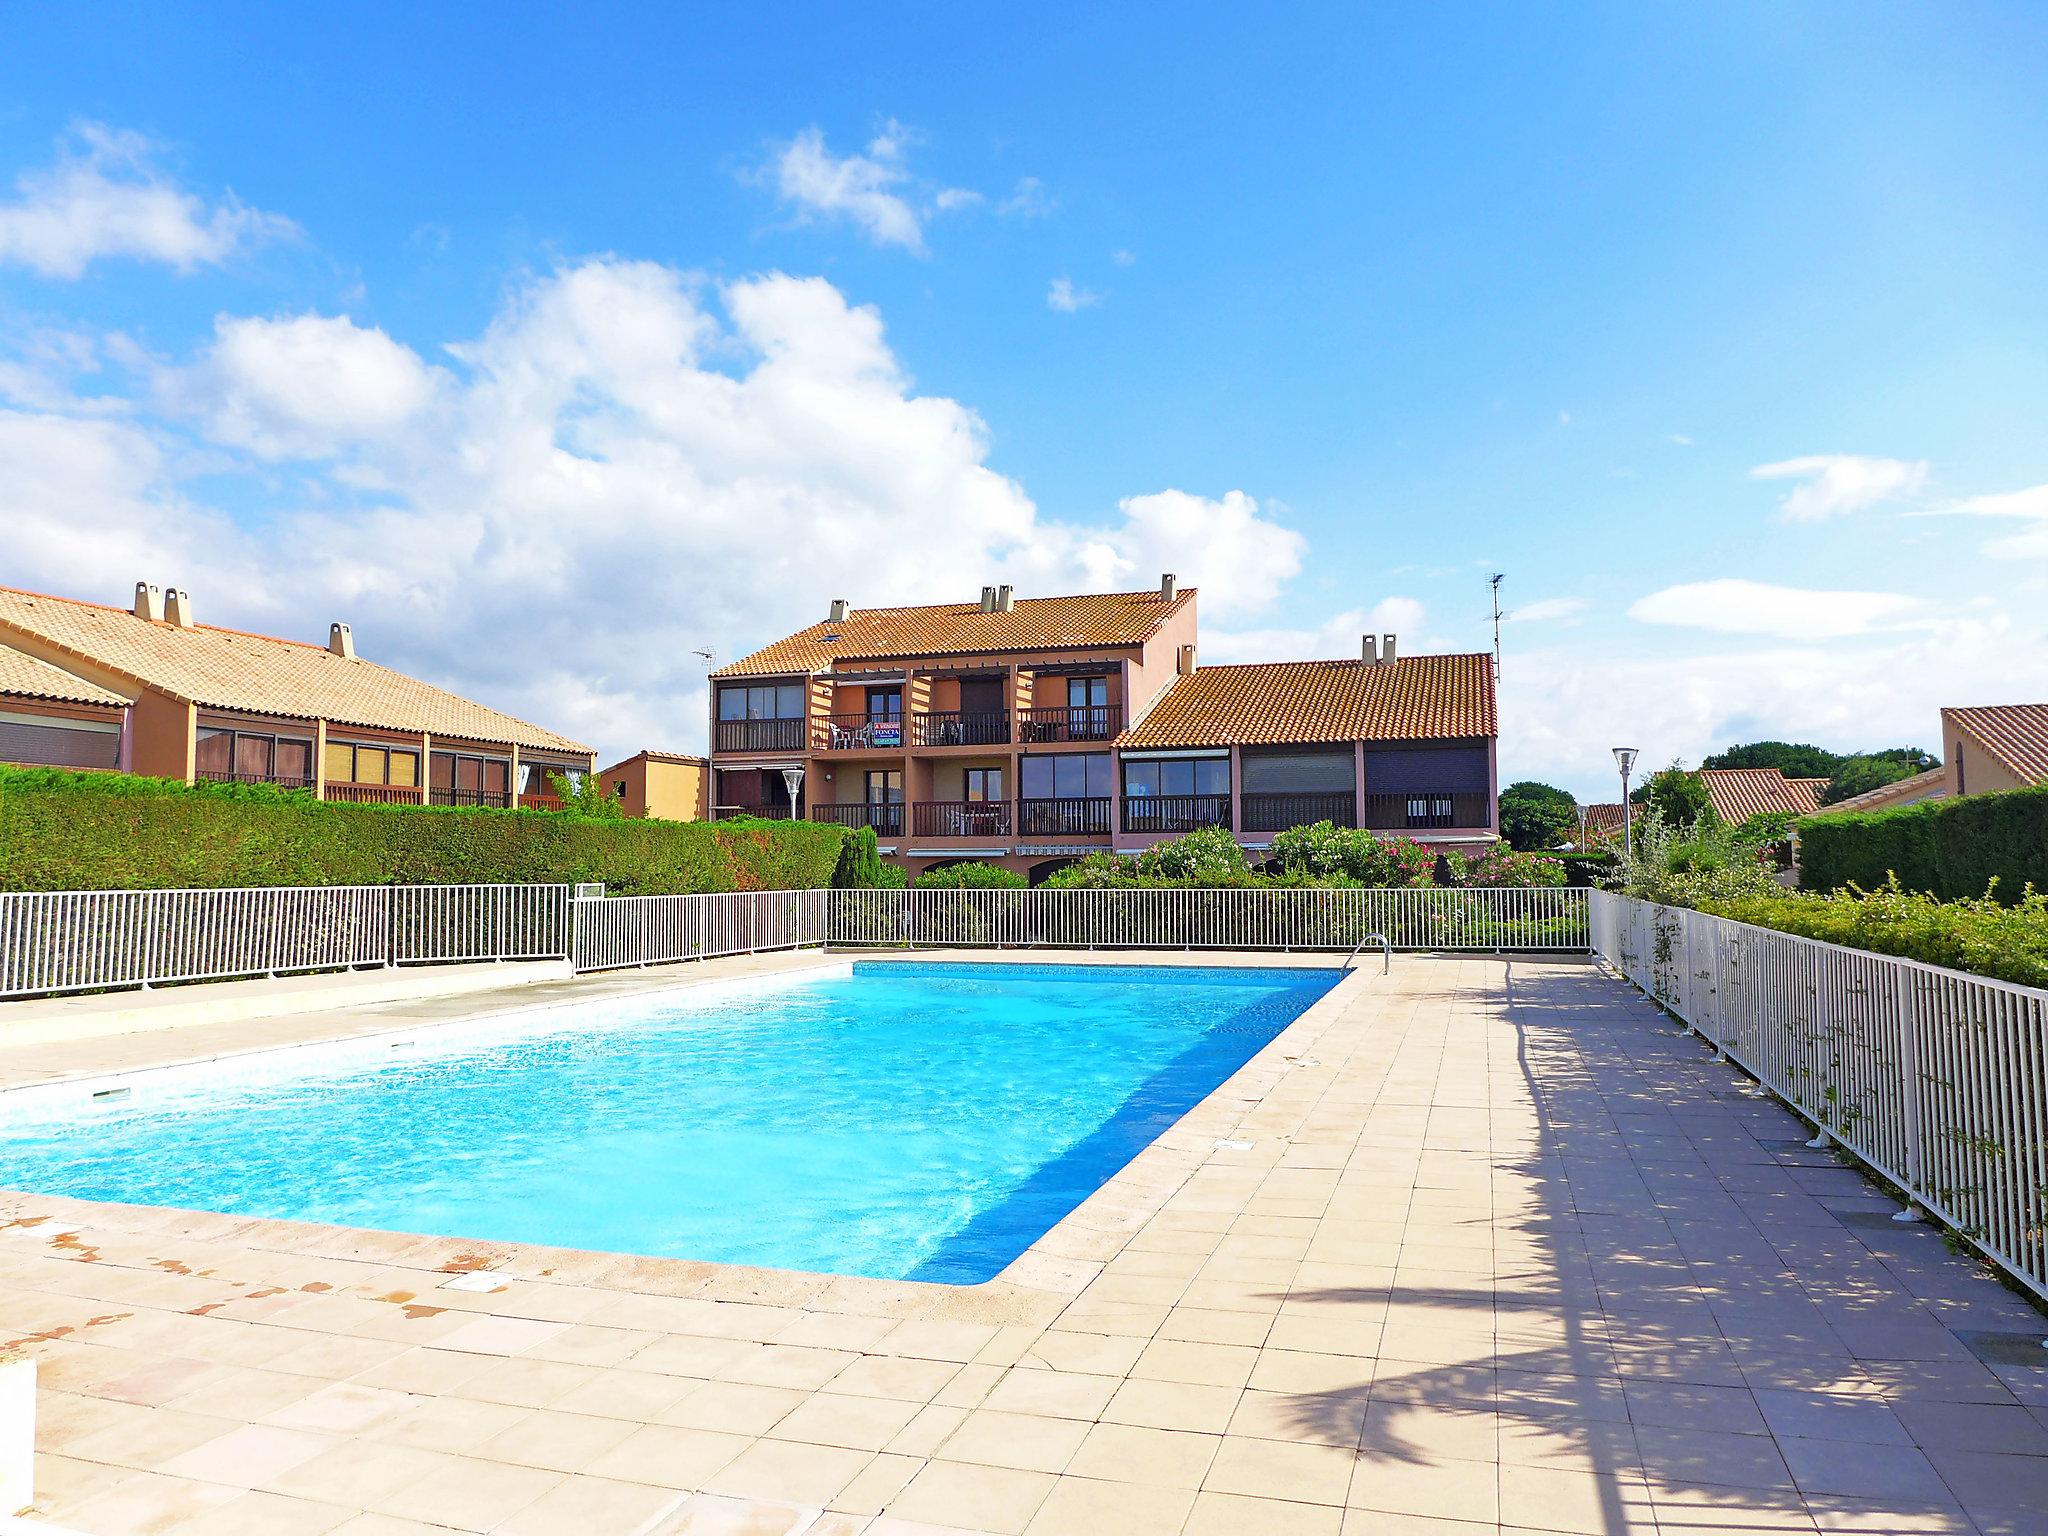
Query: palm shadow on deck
x=1677 y=1317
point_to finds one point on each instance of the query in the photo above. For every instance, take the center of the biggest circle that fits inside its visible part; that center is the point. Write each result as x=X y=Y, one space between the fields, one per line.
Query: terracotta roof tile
x=1931 y=785
x=1740 y=793
x=27 y=678
x=1604 y=822
x=227 y=669
x=1417 y=698
x=2015 y=734
x=1031 y=624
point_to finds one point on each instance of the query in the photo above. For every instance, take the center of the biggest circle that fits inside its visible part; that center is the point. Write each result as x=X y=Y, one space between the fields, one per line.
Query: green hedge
x=1953 y=849
x=1984 y=937
x=90 y=831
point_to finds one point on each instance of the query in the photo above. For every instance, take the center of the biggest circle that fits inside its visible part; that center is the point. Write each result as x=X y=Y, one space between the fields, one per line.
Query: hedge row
x=1953 y=849
x=1983 y=937
x=73 y=831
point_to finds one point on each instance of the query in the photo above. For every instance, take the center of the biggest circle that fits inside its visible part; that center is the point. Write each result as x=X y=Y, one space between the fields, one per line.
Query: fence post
x=1909 y=1068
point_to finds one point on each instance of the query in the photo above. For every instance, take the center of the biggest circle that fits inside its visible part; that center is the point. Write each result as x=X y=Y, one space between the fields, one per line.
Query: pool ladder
x=1386 y=953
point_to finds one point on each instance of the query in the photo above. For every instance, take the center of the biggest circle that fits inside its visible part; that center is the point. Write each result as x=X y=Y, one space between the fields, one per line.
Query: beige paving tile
x=1173 y=1405
x=1079 y=1506
x=1159 y=1458
x=1052 y=1394
x=1025 y=1441
x=468 y=1494
x=592 y=1504
x=1231 y=1514
x=998 y=1500
x=249 y=1456
x=267 y=1514
x=1271 y=1469
x=856 y=1423
x=1440 y=1489
x=789 y=1471
x=554 y=1441
x=668 y=1456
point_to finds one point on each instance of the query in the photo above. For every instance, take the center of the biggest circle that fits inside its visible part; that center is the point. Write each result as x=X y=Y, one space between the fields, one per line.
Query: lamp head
x=1625 y=759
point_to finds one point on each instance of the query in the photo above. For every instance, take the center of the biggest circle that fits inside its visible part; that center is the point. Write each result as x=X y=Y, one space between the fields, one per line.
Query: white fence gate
x=615 y=931
x=1937 y=1079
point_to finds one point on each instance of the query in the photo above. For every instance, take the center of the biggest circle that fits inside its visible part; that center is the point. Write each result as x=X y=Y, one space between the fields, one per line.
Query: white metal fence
x=615 y=931
x=1937 y=1079
x=74 y=941
x=1544 y=917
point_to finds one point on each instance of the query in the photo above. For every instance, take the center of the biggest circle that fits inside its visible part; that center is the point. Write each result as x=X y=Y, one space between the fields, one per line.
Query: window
x=984 y=784
x=461 y=779
x=1297 y=773
x=1178 y=776
x=884 y=786
x=772 y=701
x=349 y=763
x=1065 y=776
x=1087 y=692
x=885 y=703
x=252 y=757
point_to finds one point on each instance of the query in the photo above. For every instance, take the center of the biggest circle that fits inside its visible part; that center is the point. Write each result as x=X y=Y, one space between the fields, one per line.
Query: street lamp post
x=1625 y=760
x=792 y=780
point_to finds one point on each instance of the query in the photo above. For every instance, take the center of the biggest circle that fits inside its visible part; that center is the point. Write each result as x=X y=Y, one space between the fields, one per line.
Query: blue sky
x=550 y=348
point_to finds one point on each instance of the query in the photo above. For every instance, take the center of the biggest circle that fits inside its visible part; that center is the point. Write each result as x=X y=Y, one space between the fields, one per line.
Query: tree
x=1678 y=796
x=1796 y=760
x=1536 y=816
x=1858 y=775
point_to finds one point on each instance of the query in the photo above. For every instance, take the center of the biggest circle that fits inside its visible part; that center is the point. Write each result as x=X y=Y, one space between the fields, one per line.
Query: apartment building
x=1030 y=732
x=147 y=690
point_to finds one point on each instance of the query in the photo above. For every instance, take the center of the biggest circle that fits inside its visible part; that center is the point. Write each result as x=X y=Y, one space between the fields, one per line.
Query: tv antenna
x=1497 y=575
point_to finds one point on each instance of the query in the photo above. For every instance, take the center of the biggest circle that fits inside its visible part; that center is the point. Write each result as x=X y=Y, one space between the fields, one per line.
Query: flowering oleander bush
x=1325 y=851
x=1504 y=866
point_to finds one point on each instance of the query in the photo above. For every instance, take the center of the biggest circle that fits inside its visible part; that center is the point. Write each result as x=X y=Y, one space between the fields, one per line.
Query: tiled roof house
x=159 y=694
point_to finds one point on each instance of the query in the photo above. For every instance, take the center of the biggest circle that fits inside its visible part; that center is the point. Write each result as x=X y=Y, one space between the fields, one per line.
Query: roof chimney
x=1169 y=585
x=838 y=611
x=1006 y=598
x=178 y=607
x=1184 y=660
x=988 y=599
x=1369 y=650
x=1387 y=648
x=341 y=642
x=149 y=601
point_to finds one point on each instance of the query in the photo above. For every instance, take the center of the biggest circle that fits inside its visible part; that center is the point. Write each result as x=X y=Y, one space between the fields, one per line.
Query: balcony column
x=319 y=759
x=1236 y=795
x=1358 y=783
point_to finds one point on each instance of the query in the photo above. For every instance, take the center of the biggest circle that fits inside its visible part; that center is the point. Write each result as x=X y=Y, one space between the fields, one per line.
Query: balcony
x=489 y=799
x=771 y=811
x=760 y=735
x=960 y=728
x=1278 y=812
x=540 y=802
x=961 y=818
x=220 y=776
x=1427 y=809
x=1075 y=722
x=374 y=794
x=885 y=816
x=1065 y=816
x=863 y=733
x=1175 y=813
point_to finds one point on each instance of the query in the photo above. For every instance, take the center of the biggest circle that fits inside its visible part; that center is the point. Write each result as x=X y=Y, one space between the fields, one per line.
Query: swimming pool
x=889 y=1118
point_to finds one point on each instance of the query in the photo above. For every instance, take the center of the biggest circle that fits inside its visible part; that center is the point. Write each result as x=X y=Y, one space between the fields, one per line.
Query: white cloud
x=1027 y=200
x=106 y=197
x=1339 y=637
x=863 y=189
x=624 y=466
x=1123 y=258
x=1737 y=607
x=1064 y=297
x=1548 y=610
x=2029 y=506
x=1678 y=439
x=1836 y=484
x=1563 y=708
x=308 y=386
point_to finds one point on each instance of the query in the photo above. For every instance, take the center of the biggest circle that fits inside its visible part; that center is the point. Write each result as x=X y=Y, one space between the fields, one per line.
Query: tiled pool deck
x=1481 y=1246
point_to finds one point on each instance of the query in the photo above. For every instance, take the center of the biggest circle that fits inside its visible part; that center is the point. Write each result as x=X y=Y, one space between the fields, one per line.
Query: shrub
x=861 y=867
x=1980 y=935
x=1505 y=866
x=1978 y=845
x=1704 y=862
x=1325 y=849
x=970 y=877
x=74 y=831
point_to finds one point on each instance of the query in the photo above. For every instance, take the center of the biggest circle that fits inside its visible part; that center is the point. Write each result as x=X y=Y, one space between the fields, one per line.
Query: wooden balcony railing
x=538 y=802
x=1278 y=812
x=772 y=812
x=1426 y=809
x=1175 y=813
x=885 y=816
x=221 y=776
x=960 y=728
x=863 y=733
x=760 y=735
x=1076 y=722
x=374 y=794
x=1065 y=816
x=961 y=818
x=490 y=799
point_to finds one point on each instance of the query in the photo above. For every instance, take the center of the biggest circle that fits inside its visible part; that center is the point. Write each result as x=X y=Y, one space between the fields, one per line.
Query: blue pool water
x=925 y=1121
